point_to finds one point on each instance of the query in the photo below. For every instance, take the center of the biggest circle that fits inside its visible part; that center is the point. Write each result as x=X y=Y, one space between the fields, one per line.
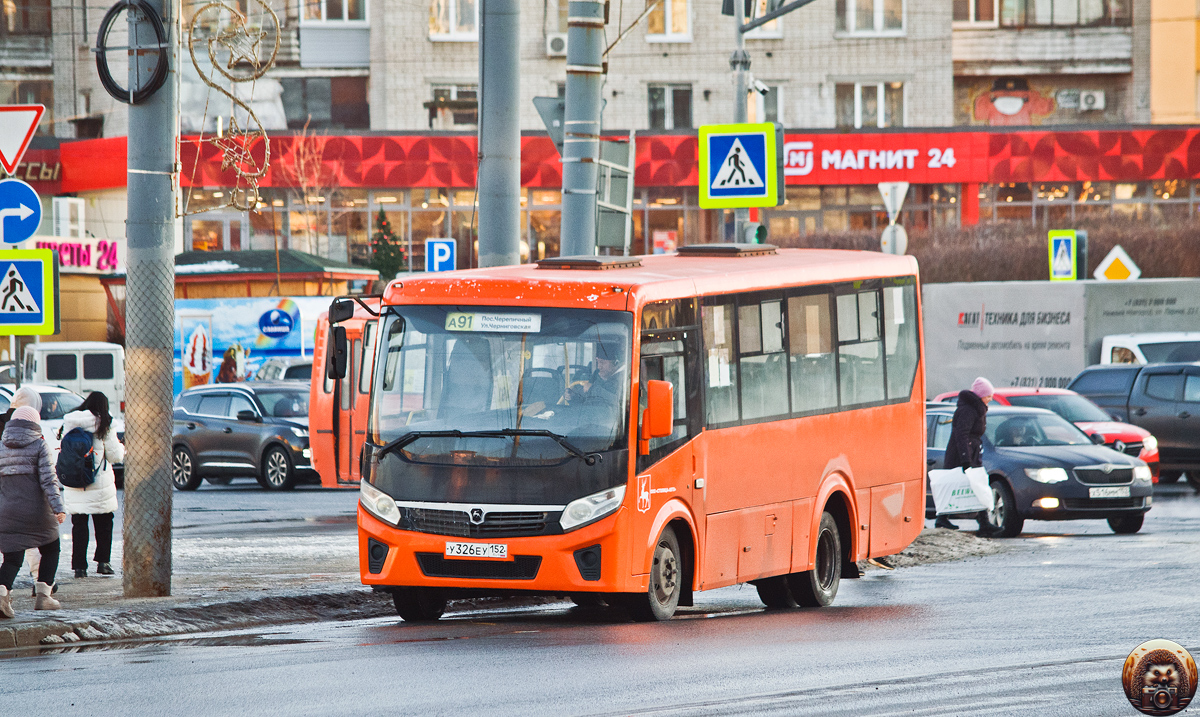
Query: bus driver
x=606 y=384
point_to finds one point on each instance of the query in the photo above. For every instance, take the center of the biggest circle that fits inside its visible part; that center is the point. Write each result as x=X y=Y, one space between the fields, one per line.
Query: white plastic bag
x=953 y=493
x=978 y=478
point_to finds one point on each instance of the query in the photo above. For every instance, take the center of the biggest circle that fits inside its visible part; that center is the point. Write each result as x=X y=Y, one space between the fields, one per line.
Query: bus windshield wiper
x=395 y=445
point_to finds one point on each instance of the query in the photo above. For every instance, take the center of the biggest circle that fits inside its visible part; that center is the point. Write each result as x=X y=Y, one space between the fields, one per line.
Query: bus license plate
x=497 y=551
x=1119 y=491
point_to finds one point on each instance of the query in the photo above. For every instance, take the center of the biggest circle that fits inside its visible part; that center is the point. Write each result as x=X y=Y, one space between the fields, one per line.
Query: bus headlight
x=1141 y=474
x=1150 y=443
x=1047 y=475
x=378 y=503
x=591 y=508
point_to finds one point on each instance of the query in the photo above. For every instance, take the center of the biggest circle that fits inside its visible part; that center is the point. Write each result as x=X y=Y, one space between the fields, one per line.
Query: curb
x=125 y=624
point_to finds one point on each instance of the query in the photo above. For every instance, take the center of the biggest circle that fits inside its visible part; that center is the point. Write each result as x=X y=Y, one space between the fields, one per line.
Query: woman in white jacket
x=99 y=500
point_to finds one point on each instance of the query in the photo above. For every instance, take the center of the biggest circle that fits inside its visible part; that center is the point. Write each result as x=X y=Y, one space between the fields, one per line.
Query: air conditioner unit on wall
x=1091 y=100
x=556 y=44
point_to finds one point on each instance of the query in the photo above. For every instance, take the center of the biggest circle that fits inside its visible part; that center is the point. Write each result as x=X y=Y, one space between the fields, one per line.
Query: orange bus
x=635 y=429
x=338 y=408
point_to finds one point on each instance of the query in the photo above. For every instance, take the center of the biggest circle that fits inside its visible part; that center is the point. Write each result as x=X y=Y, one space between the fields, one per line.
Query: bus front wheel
x=818 y=587
x=666 y=582
x=418 y=604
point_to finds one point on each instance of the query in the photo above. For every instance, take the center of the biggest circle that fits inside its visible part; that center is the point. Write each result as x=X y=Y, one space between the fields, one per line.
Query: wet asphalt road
x=1041 y=629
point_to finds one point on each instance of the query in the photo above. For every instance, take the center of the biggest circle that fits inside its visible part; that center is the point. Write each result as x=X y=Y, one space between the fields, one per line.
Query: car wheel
x=1166 y=477
x=818 y=587
x=418 y=604
x=183 y=469
x=666 y=582
x=277 y=472
x=1126 y=524
x=1004 y=515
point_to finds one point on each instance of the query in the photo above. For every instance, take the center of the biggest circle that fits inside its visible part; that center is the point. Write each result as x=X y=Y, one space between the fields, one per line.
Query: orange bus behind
x=639 y=428
x=338 y=409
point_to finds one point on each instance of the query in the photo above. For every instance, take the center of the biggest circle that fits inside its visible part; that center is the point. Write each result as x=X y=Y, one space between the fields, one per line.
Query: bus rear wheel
x=818 y=587
x=418 y=604
x=666 y=582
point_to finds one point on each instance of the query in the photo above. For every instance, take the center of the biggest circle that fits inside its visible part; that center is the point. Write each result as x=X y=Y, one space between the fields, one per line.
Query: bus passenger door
x=669 y=471
x=320 y=409
x=347 y=389
x=364 y=359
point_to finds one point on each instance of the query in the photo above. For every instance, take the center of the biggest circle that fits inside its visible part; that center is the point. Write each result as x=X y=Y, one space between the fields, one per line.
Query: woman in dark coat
x=965 y=448
x=31 y=508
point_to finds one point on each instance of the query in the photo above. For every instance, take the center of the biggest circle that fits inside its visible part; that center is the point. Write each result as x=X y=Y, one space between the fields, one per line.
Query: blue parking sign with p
x=440 y=255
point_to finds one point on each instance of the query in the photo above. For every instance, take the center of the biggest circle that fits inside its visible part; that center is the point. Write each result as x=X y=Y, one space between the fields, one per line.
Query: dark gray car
x=1041 y=467
x=228 y=430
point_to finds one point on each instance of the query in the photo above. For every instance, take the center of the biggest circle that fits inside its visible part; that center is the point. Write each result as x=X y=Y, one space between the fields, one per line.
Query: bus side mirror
x=338 y=354
x=658 y=420
x=340 y=310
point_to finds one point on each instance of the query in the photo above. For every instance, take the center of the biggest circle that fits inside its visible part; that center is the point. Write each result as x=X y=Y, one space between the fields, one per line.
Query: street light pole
x=499 y=134
x=581 y=126
x=150 y=314
x=739 y=62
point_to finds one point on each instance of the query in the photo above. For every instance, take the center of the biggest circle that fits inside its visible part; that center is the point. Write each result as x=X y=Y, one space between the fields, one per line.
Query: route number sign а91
x=496 y=323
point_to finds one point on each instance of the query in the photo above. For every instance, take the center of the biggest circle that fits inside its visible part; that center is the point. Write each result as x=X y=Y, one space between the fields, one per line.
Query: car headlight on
x=1046 y=475
x=1141 y=474
x=378 y=503
x=591 y=508
x=1150 y=443
x=300 y=432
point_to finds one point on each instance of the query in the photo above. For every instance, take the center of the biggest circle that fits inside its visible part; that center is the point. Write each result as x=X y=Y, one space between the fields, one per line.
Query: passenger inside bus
x=467 y=384
x=606 y=384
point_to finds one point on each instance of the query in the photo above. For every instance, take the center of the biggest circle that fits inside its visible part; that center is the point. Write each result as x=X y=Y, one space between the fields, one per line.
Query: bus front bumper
x=548 y=564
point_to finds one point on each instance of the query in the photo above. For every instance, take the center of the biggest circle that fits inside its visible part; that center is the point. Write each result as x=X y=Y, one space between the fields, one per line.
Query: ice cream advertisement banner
x=227 y=340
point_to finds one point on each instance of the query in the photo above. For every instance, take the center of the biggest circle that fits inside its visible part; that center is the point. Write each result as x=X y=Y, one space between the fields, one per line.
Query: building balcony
x=1043 y=51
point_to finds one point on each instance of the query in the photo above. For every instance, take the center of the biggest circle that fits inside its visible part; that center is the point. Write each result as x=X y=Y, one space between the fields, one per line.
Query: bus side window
x=860 y=355
x=663 y=360
x=810 y=339
x=900 y=338
x=348 y=379
x=366 y=362
x=328 y=384
x=720 y=373
x=762 y=365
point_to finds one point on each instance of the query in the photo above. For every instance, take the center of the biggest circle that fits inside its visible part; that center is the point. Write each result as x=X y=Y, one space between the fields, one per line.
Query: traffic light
x=755 y=233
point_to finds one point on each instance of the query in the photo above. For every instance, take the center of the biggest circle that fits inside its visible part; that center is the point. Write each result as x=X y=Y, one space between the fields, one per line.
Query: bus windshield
x=521 y=371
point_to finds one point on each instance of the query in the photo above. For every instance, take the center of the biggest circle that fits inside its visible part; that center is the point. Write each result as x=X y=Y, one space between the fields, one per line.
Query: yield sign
x=17 y=124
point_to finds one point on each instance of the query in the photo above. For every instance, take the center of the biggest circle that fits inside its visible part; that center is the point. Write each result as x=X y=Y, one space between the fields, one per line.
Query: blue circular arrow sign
x=20 y=211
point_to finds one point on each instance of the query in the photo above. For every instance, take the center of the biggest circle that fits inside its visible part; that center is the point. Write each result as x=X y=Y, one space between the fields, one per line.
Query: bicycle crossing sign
x=738 y=166
x=29 y=292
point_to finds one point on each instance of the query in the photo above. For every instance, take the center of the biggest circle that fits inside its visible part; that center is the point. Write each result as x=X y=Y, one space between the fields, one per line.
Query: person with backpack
x=87 y=450
x=31 y=508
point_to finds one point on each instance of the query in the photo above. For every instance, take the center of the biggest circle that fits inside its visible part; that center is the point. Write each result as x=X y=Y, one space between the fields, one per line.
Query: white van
x=1161 y=347
x=80 y=366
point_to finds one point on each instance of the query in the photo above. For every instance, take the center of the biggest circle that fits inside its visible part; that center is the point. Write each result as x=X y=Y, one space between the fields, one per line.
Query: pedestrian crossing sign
x=1063 y=249
x=738 y=166
x=29 y=292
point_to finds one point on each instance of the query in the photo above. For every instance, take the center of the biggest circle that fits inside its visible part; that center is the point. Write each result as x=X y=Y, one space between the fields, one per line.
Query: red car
x=1124 y=437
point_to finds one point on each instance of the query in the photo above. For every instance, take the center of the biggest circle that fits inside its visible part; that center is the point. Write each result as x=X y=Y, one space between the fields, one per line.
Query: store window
x=668 y=21
x=767 y=31
x=318 y=10
x=670 y=106
x=1065 y=13
x=454 y=20
x=454 y=107
x=869 y=104
x=326 y=102
x=872 y=17
x=26 y=17
x=976 y=12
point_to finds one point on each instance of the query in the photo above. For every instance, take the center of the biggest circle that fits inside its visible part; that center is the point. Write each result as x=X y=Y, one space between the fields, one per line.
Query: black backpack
x=75 y=467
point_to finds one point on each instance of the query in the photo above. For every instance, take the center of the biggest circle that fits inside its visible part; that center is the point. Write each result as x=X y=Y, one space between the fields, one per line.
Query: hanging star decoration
x=237 y=53
x=241 y=42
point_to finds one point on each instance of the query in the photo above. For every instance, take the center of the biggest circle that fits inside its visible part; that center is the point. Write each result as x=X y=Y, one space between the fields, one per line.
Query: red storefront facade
x=322 y=194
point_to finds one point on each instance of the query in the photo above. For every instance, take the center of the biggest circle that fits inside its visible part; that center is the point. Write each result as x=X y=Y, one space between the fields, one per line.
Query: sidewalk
x=310 y=573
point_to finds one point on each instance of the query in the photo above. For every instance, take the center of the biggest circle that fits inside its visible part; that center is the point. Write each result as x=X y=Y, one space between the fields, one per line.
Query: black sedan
x=1042 y=467
x=228 y=430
